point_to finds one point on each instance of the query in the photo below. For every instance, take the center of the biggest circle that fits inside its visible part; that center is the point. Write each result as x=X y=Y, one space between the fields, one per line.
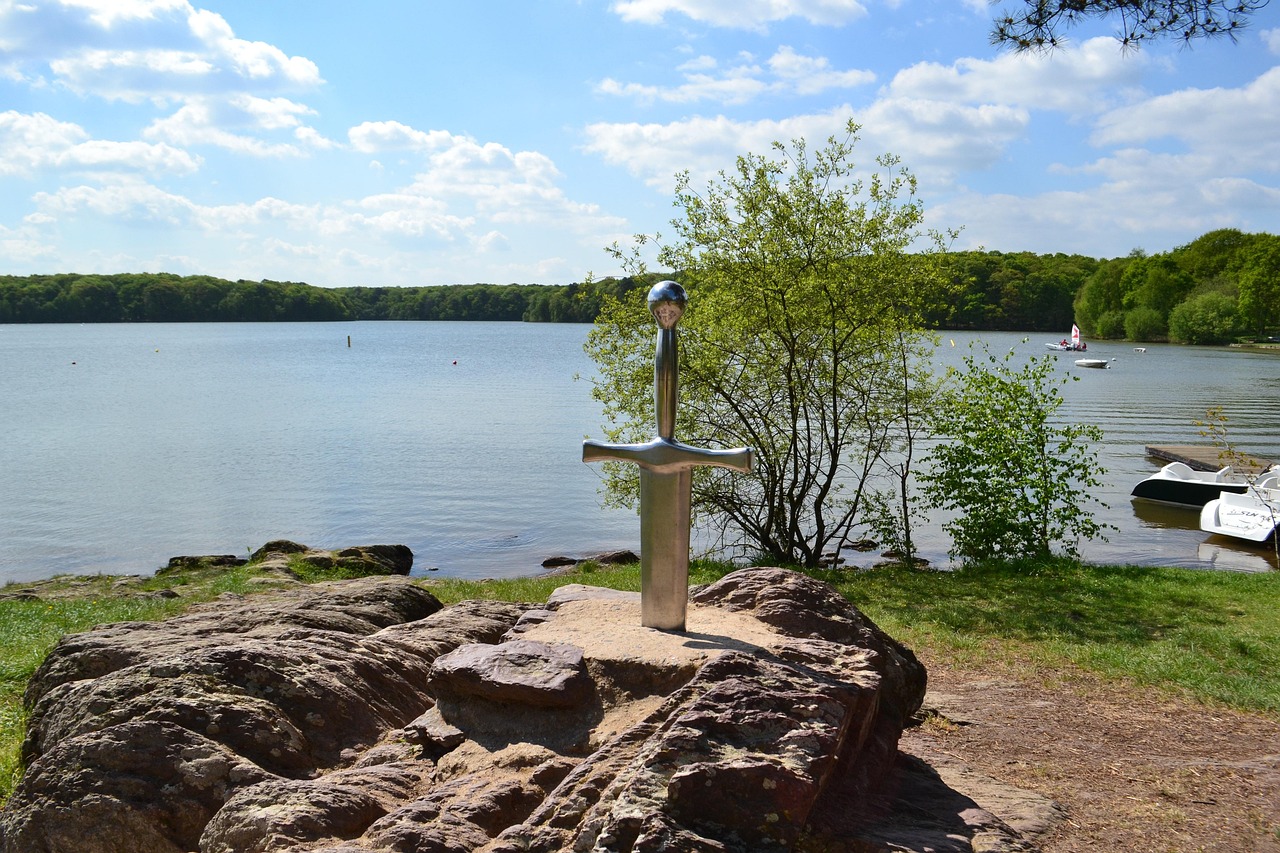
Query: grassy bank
x=1210 y=635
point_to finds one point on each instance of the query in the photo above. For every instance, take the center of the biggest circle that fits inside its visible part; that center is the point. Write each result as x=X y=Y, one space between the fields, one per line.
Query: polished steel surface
x=666 y=468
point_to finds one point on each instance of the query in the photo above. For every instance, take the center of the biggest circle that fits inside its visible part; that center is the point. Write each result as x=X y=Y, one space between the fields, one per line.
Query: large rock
x=361 y=716
x=158 y=724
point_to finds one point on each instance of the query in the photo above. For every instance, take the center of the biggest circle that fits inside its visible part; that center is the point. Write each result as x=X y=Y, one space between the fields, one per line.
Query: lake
x=127 y=444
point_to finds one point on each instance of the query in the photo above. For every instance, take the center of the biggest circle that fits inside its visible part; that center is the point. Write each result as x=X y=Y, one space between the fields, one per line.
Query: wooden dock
x=1201 y=457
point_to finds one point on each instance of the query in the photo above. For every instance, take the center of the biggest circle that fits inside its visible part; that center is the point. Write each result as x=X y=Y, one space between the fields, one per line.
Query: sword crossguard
x=664 y=456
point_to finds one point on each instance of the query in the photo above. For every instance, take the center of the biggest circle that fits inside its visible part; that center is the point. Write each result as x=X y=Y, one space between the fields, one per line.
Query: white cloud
x=697 y=87
x=271 y=113
x=1239 y=127
x=742 y=14
x=373 y=136
x=143 y=49
x=1107 y=220
x=29 y=143
x=1073 y=80
x=934 y=139
x=161 y=51
x=469 y=204
x=703 y=146
x=251 y=60
x=937 y=139
x=122 y=199
x=111 y=13
x=23 y=245
x=132 y=75
x=494 y=241
x=809 y=75
x=238 y=124
x=786 y=72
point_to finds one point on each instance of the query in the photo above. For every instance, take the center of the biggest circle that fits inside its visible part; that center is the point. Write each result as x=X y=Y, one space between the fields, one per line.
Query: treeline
x=1216 y=289
x=166 y=298
x=1019 y=291
x=1219 y=288
x=1009 y=292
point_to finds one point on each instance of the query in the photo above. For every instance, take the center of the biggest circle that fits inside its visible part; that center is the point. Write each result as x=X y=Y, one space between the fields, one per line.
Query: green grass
x=1214 y=636
x=29 y=630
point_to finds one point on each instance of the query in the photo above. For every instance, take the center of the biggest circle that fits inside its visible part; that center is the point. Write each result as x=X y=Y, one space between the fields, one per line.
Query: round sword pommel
x=666 y=303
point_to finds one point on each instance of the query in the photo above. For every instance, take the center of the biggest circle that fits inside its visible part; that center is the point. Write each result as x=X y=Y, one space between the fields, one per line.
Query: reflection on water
x=1214 y=552
x=1151 y=514
x=1219 y=552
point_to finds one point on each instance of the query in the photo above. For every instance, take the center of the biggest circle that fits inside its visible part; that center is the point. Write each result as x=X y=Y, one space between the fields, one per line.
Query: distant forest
x=1222 y=286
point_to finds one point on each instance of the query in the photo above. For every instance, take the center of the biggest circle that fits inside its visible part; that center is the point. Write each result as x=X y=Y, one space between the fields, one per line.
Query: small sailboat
x=1073 y=345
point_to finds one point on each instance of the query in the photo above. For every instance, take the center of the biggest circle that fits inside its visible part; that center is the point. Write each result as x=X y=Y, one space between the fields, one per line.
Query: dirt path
x=1151 y=773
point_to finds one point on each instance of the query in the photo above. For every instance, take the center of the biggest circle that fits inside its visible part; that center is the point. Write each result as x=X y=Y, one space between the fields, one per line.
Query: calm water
x=128 y=444
x=124 y=445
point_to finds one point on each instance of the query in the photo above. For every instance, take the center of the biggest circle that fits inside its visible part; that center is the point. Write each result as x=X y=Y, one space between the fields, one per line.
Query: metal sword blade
x=664 y=548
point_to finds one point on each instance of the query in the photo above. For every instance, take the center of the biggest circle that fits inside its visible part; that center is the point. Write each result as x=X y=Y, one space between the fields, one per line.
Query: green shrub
x=1144 y=324
x=1017 y=478
x=1209 y=318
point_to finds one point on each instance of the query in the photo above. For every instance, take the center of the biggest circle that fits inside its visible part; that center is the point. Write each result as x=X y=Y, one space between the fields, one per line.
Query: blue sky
x=415 y=142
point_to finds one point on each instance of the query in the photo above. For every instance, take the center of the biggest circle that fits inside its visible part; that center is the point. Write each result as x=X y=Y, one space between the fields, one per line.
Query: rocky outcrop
x=606 y=558
x=276 y=564
x=359 y=560
x=363 y=716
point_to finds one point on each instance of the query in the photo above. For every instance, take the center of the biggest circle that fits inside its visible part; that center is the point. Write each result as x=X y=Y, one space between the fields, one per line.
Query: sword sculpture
x=666 y=468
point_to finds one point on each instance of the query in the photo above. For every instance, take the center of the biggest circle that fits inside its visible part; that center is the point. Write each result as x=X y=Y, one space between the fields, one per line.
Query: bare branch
x=1039 y=25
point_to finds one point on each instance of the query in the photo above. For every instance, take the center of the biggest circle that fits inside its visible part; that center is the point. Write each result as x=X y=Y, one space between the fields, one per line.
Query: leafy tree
x=1155 y=282
x=1110 y=325
x=1016 y=478
x=1038 y=24
x=801 y=289
x=1258 y=277
x=1209 y=255
x=90 y=299
x=163 y=302
x=1144 y=324
x=1207 y=318
x=1100 y=295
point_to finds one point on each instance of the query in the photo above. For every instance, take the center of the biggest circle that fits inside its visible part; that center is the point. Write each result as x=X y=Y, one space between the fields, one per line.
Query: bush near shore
x=1211 y=636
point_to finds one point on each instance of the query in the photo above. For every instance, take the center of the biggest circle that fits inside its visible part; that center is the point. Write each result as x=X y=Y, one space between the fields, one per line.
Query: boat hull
x=1192 y=493
x=1251 y=516
x=1178 y=484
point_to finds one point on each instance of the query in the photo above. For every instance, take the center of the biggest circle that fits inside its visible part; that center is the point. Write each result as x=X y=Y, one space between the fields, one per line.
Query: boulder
x=278 y=546
x=363 y=716
x=518 y=672
x=208 y=561
x=358 y=560
x=605 y=558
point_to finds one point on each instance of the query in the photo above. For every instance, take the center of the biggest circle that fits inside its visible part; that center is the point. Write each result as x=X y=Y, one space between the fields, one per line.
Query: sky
x=415 y=142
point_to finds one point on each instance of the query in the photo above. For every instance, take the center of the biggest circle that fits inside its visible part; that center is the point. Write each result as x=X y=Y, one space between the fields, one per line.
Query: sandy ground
x=1132 y=770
